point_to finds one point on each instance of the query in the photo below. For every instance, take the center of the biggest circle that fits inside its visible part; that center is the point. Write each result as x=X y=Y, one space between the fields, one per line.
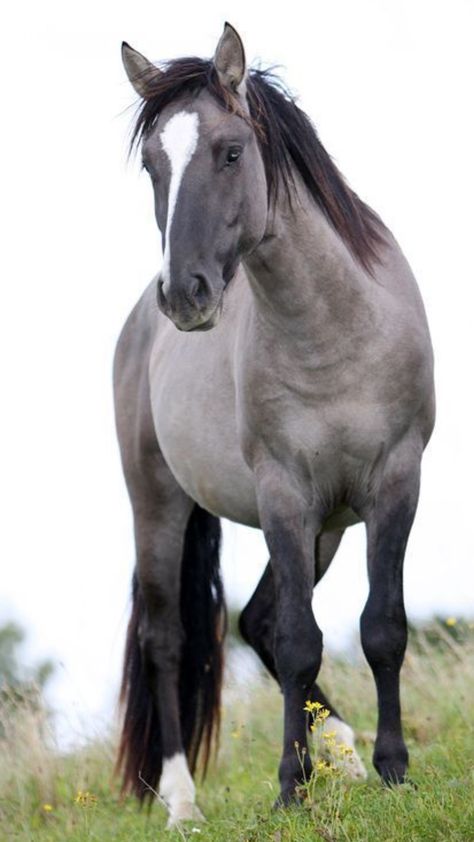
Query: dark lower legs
x=383 y=622
x=291 y=642
x=278 y=621
x=257 y=626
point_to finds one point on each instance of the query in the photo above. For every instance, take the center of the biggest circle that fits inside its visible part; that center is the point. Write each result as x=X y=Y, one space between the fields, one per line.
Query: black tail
x=204 y=621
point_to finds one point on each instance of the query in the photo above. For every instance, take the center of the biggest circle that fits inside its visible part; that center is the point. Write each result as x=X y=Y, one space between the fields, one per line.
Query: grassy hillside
x=47 y=798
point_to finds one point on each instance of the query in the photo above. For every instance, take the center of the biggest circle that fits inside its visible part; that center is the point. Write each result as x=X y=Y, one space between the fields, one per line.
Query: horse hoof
x=340 y=749
x=392 y=782
x=354 y=768
x=184 y=812
x=391 y=763
x=393 y=775
x=289 y=798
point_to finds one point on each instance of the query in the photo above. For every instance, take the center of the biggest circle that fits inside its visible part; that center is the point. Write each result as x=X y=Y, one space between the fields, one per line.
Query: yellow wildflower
x=85 y=799
x=451 y=621
x=48 y=808
x=312 y=707
x=346 y=749
x=329 y=735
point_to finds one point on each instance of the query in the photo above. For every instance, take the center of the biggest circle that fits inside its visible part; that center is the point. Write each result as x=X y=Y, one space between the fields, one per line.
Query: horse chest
x=322 y=417
x=207 y=428
x=195 y=421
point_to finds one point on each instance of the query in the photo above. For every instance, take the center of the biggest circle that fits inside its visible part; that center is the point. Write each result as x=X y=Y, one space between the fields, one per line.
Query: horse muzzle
x=191 y=306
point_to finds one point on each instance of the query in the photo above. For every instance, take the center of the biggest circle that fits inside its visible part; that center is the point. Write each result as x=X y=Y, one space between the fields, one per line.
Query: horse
x=278 y=372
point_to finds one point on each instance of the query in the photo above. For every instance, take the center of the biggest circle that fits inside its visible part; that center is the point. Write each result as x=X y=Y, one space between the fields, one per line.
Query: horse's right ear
x=141 y=72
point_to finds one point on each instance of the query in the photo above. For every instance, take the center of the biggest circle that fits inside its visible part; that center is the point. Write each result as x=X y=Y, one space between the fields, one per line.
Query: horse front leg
x=290 y=529
x=383 y=621
x=257 y=627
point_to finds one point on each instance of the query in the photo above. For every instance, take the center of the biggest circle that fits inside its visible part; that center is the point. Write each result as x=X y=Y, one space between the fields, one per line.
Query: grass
x=46 y=797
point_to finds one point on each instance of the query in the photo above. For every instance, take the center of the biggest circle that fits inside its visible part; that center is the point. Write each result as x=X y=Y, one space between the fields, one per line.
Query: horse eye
x=233 y=155
x=151 y=172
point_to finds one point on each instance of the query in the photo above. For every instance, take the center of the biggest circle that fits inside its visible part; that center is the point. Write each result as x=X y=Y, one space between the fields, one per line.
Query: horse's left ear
x=229 y=60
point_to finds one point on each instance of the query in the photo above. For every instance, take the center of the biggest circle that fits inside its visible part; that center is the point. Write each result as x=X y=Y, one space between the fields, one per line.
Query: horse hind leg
x=151 y=749
x=172 y=669
x=257 y=627
x=172 y=665
x=327 y=545
x=257 y=620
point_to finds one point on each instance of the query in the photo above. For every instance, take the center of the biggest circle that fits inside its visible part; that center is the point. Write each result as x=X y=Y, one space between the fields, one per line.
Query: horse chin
x=208 y=324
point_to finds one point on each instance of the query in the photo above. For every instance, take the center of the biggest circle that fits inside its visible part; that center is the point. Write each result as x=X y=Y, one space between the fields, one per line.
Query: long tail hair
x=203 y=619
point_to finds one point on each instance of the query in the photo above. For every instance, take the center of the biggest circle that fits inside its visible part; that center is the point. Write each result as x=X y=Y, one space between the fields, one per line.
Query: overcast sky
x=389 y=86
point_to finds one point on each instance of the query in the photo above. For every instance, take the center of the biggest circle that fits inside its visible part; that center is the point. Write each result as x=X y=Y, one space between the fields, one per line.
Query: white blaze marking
x=351 y=763
x=178 y=790
x=179 y=140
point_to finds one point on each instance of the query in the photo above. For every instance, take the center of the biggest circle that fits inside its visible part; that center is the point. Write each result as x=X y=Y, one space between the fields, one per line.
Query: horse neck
x=303 y=276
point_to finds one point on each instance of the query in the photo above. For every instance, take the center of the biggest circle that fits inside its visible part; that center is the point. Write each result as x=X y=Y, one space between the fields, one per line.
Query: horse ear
x=141 y=72
x=229 y=60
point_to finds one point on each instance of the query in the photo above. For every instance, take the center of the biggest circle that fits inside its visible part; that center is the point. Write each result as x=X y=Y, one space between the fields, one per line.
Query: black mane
x=287 y=139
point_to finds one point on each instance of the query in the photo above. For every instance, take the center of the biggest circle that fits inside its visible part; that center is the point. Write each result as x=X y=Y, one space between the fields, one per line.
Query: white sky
x=389 y=86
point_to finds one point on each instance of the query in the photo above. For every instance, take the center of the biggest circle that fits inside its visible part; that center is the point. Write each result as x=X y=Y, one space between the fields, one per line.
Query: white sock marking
x=351 y=763
x=178 y=790
x=179 y=139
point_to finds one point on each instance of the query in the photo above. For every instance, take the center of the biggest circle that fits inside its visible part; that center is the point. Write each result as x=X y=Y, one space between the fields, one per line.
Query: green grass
x=237 y=796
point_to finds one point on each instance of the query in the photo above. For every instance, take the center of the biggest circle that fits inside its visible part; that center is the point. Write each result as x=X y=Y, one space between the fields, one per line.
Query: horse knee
x=383 y=637
x=299 y=654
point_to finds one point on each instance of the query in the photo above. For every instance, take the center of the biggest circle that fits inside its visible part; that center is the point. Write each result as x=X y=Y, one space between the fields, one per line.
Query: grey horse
x=278 y=372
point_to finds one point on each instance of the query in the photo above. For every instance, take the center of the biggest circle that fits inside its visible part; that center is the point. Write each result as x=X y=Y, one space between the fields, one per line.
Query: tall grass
x=47 y=797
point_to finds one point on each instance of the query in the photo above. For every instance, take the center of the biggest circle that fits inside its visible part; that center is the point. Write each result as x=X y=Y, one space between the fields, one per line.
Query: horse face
x=210 y=203
x=209 y=184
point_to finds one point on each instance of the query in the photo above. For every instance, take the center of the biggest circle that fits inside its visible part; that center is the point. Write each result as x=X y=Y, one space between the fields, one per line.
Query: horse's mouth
x=206 y=325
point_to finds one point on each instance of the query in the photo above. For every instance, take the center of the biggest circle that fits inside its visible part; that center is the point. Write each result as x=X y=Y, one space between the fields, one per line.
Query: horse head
x=200 y=148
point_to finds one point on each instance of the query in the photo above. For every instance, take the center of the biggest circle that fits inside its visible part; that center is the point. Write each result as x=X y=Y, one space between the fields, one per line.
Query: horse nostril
x=160 y=295
x=199 y=289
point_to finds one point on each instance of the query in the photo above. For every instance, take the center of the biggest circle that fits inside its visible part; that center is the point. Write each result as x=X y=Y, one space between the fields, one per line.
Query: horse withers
x=277 y=372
